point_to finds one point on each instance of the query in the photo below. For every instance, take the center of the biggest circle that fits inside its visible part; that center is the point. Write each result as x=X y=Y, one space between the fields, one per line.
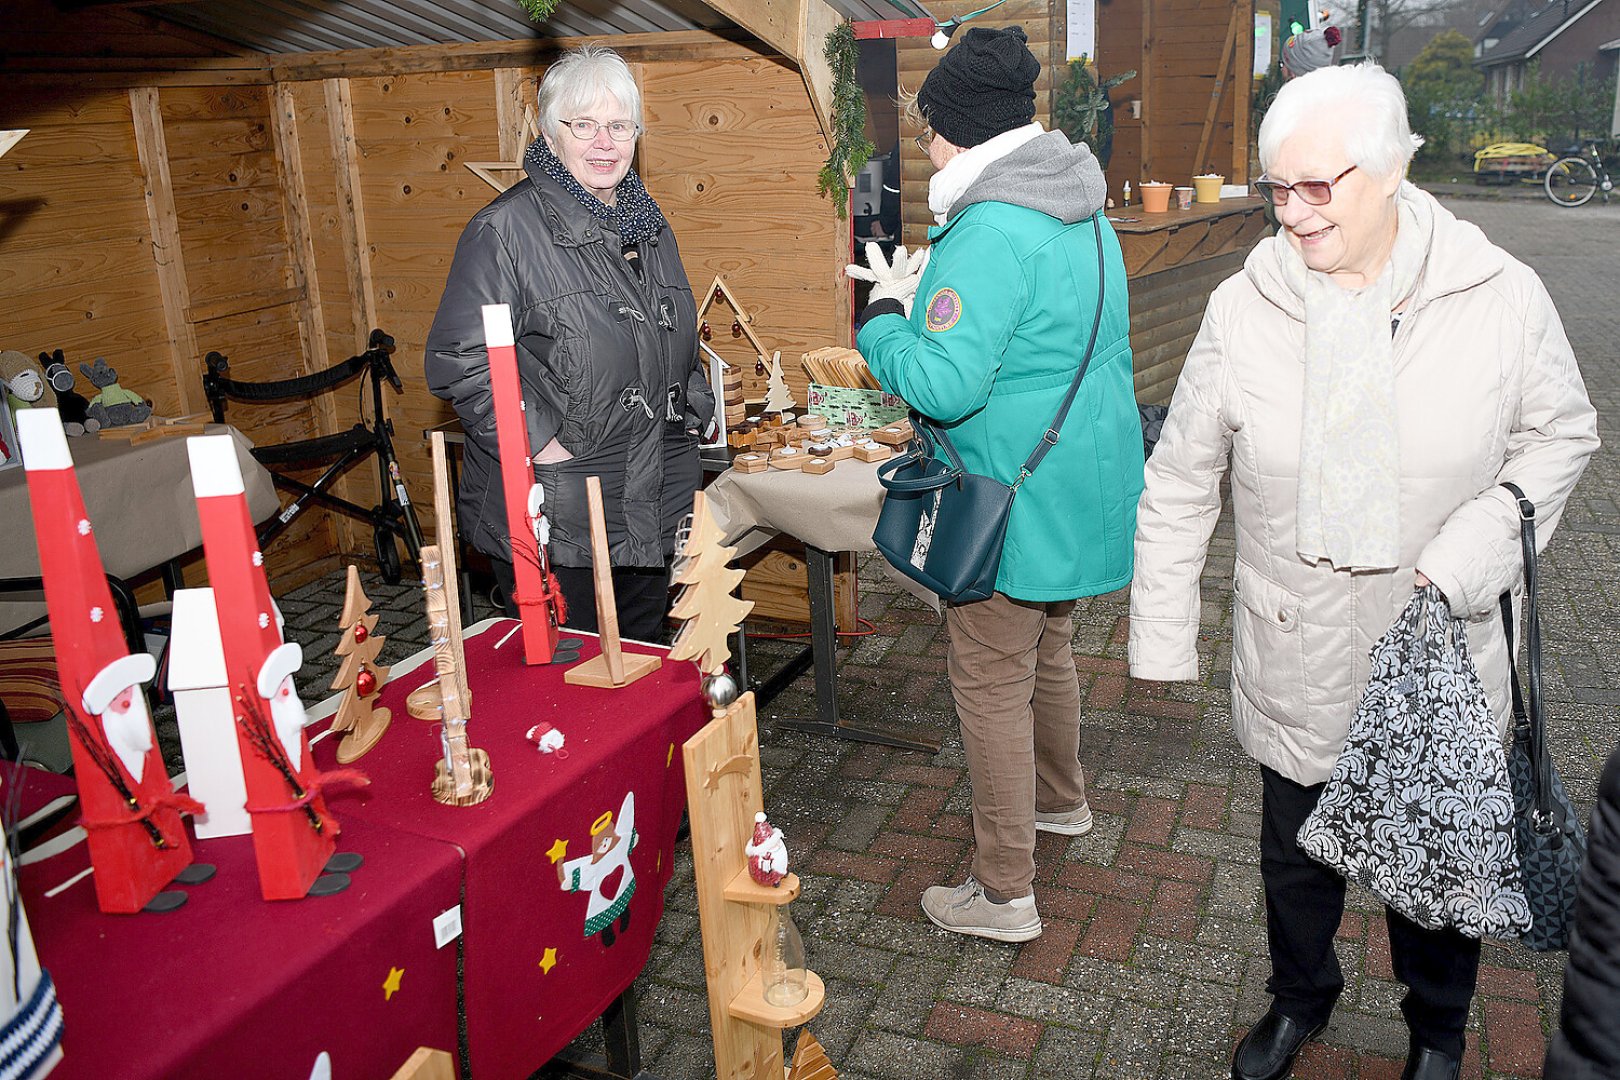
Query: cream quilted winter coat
x=1487 y=389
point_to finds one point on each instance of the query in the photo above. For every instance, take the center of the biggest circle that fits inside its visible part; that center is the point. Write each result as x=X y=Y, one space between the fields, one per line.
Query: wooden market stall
x=272 y=180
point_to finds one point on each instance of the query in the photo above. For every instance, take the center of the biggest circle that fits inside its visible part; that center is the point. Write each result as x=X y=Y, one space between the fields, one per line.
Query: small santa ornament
x=767 y=853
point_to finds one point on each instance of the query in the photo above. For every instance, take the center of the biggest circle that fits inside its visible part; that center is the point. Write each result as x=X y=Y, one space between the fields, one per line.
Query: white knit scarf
x=951 y=183
x=1348 y=509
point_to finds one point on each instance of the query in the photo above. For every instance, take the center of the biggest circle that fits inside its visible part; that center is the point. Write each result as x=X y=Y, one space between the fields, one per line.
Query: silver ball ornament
x=719 y=690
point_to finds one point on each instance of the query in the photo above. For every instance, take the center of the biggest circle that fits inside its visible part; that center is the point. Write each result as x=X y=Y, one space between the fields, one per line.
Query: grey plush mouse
x=113 y=406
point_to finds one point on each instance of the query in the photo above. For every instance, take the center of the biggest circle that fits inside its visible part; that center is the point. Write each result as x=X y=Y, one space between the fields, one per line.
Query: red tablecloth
x=232 y=986
x=534 y=977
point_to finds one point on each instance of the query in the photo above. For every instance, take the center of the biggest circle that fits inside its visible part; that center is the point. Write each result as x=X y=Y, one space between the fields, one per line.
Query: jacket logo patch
x=944 y=309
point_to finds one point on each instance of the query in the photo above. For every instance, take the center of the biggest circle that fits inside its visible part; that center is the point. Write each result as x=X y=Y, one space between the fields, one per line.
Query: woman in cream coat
x=1367 y=381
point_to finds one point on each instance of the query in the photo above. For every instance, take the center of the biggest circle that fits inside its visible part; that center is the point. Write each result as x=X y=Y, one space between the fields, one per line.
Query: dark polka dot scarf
x=634 y=215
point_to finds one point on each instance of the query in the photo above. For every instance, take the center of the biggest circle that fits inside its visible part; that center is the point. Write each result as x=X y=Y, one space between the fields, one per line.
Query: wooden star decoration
x=391 y=984
x=487 y=170
x=548 y=961
x=558 y=851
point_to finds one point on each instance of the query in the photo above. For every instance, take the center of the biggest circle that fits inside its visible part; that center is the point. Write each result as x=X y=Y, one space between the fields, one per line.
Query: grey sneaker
x=966 y=910
x=1075 y=822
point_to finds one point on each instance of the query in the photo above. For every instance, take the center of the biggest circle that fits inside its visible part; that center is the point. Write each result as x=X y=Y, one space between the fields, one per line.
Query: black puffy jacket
x=1586 y=1045
x=607 y=357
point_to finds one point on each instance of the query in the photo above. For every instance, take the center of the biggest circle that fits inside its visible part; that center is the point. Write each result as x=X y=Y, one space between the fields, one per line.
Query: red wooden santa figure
x=132 y=815
x=293 y=834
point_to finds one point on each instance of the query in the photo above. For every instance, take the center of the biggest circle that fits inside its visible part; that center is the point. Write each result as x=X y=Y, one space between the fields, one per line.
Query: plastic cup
x=1184 y=198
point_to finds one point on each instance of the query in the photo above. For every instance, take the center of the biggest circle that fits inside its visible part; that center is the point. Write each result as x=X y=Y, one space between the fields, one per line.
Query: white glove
x=896 y=280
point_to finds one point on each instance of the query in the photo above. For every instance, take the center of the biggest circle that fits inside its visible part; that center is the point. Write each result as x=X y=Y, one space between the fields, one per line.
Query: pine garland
x=850 y=149
x=539 y=10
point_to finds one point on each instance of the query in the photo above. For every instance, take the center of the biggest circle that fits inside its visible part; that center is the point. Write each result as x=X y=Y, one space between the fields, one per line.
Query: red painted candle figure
x=293 y=835
x=131 y=814
x=534 y=598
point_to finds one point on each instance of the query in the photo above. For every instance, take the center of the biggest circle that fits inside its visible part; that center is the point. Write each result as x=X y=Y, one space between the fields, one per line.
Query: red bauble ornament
x=736 y=328
x=365 y=683
x=707 y=333
x=759 y=366
x=360 y=632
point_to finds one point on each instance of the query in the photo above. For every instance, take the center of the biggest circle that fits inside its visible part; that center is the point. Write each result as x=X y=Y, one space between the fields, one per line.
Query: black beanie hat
x=981 y=88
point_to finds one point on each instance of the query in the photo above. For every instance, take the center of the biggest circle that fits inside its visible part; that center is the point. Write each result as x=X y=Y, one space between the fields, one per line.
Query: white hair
x=579 y=79
x=1363 y=100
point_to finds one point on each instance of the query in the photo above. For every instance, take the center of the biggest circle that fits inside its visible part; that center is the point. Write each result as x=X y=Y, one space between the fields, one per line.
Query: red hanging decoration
x=707 y=333
x=759 y=366
x=736 y=328
x=365 y=683
x=360 y=633
x=719 y=294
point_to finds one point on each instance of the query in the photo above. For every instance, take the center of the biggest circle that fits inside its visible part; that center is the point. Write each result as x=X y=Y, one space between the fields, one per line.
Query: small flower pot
x=1208 y=188
x=1155 y=198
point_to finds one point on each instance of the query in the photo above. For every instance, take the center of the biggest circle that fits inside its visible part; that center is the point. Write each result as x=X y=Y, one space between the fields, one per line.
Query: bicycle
x=1573 y=179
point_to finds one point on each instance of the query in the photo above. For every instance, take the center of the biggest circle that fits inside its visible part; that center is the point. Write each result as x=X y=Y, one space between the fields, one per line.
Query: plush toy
x=113 y=406
x=74 y=409
x=24 y=383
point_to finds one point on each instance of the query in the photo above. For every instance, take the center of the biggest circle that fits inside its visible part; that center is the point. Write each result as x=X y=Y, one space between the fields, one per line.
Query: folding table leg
x=621 y=1041
x=823 y=655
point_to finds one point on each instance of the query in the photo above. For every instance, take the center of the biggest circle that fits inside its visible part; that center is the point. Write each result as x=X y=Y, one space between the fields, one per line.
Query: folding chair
x=393 y=517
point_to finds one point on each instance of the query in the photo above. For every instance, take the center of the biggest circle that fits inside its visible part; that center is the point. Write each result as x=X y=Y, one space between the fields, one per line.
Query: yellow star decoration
x=558 y=851
x=548 y=961
x=669 y=757
x=391 y=984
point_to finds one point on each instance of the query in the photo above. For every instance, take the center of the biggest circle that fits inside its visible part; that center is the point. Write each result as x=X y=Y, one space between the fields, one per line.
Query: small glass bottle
x=1125 y=194
x=782 y=968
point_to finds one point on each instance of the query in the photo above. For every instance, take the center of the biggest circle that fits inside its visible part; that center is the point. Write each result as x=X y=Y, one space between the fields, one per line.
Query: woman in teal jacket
x=1008 y=299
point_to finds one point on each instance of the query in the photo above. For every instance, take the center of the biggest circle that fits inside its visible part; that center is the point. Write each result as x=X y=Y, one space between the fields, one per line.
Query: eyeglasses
x=1311 y=192
x=618 y=131
x=924 y=139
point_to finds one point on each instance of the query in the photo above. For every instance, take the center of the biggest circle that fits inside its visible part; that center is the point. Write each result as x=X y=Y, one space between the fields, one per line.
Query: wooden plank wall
x=82 y=198
x=1183 y=42
x=1174 y=45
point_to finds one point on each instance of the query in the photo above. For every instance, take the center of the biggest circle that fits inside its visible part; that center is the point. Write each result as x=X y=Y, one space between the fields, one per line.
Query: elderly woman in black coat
x=606 y=333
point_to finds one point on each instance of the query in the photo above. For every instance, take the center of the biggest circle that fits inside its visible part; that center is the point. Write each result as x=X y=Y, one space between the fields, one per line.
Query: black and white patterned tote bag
x=1418 y=809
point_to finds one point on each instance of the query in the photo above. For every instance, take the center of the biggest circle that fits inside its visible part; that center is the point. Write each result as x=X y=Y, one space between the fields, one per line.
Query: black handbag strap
x=1049 y=439
x=1527 y=708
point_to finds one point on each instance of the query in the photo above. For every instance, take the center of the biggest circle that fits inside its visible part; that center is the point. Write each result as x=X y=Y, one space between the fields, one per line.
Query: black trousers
x=641 y=595
x=1304 y=905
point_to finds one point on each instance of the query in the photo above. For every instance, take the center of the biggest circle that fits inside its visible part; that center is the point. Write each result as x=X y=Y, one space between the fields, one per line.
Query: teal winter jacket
x=1000 y=324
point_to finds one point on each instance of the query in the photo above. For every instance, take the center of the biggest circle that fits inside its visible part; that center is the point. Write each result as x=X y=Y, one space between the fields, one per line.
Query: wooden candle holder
x=724 y=793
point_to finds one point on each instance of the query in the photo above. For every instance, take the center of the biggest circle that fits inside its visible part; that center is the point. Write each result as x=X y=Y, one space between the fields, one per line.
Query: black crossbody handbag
x=1552 y=844
x=944 y=527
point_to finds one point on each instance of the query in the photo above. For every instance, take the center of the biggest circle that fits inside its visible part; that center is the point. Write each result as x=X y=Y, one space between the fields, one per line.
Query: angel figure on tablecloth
x=598 y=873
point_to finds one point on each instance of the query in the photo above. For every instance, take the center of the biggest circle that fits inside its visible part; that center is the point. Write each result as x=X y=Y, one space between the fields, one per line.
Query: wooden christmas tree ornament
x=810 y=1060
x=612 y=667
x=360 y=677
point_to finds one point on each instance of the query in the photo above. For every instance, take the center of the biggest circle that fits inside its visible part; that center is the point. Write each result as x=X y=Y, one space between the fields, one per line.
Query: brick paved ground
x=1153 y=959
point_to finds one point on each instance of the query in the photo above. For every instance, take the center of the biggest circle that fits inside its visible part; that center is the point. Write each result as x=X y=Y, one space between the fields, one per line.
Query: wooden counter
x=1174 y=260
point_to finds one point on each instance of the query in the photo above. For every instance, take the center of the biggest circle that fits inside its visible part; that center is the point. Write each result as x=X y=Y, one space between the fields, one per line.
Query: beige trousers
x=1018 y=700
